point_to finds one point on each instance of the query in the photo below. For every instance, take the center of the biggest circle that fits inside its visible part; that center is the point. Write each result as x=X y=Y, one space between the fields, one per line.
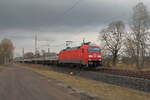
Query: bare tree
x=129 y=49
x=6 y=50
x=112 y=37
x=140 y=25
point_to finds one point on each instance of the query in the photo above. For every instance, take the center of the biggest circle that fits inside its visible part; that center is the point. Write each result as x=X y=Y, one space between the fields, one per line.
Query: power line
x=60 y=17
x=35 y=43
x=72 y=7
x=63 y=14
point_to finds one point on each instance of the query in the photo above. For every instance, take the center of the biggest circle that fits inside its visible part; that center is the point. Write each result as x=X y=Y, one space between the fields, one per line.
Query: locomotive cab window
x=94 y=50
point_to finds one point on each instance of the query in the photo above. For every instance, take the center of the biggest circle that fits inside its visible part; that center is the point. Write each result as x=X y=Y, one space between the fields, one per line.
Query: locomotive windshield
x=94 y=50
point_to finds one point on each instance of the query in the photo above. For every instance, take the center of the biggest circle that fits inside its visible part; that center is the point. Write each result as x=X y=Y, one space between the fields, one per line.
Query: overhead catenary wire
x=72 y=7
x=65 y=12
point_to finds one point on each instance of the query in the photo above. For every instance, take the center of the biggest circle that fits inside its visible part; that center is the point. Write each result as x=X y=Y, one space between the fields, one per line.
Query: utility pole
x=23 y=54
x=47 y=45
x=35 y=43
x=48 y=50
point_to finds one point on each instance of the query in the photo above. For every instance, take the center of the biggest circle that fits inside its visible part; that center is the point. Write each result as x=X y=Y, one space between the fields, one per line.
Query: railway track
x=128 y=79
x=129 y=73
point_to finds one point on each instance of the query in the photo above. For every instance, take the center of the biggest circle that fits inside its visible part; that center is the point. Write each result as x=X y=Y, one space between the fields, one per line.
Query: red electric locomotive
x=85 y=55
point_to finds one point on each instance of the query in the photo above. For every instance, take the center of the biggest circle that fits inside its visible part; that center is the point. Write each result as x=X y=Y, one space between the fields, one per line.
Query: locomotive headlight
x=90 y=56
x=99 y=56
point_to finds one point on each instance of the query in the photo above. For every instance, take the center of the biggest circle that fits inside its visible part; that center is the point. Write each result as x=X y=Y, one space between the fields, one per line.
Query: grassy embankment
x=105 y=91
x=131 y=67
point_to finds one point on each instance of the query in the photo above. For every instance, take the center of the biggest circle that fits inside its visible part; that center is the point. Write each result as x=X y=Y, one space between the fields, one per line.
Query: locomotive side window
x=94 y=50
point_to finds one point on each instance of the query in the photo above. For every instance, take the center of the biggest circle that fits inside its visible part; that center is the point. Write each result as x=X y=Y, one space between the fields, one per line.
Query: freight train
x=85 y=55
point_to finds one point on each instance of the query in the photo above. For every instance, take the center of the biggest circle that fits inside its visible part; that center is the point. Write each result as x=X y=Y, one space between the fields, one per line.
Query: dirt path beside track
x=20 y=84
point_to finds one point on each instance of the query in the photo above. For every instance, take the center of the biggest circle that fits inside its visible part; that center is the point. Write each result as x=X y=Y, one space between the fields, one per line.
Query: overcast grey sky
x=59 y=20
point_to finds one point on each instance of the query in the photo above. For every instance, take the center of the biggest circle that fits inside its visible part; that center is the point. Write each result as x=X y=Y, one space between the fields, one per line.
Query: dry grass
x=130 y=67
x=105 y=91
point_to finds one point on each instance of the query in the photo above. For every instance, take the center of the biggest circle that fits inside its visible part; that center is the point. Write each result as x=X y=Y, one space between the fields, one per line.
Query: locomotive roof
x=75 y=48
